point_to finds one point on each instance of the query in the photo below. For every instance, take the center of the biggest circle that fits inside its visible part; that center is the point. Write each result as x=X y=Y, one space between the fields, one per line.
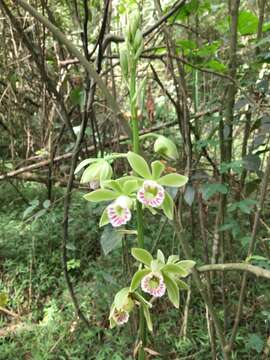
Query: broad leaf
x=172 y=288
x=168 y=206
x=139 y=165
x=181 y=284
x=160 y=256
x=141 y=299
x=172 y=259
x=173 y=180
x=175 y=269
x=189 y=194
x=147 y=317
x=110 y=239
x=157 y=169
x=247 y=23
x=101 y=195
x=130 y=186
x=113 y=185
x=3 y=299
x=186 y=264
x=104 y=219
x=208 y=190
x=142 y=256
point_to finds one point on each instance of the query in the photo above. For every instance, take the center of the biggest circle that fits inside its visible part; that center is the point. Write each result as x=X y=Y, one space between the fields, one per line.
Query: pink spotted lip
x=121 y=317
x=153 y=284
x=151 y=194
x=118 y=213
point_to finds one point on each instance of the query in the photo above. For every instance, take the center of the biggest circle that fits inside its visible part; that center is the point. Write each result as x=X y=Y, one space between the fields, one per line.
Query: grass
x=47 y=327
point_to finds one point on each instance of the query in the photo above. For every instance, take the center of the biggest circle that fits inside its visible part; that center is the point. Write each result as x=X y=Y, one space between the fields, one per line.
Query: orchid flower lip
x=153 y=284
x=151 y=194
x=119 y=211
x=120 y=317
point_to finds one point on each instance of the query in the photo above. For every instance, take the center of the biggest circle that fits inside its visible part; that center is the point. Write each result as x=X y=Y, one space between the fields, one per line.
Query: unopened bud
x=134 y=23
x=138 y=40
x=166 y=147
x=99 y=171
x=124 y=63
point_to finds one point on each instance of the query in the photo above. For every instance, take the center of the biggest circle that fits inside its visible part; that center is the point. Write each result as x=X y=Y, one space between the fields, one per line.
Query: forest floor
x=38 y=320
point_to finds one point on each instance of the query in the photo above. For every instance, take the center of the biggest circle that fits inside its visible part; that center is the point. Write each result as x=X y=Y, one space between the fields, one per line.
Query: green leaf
x=175 y=269
x=246 y=206
x=208 y=49
x=252 y=162
x=157 y=169
x=186 y=264
x=130 y=186
x=139 y=165
x=182 y=285
x=110 y=239
x=255 y=342
x=137 y=277
x=172 y=288
x=160 y=256
x=113 y=185
x=104 y=219
x=101 y=195
x=160 y=51
x=141 y=299
x=173 y=180
x=168 y=206
x=247 y=23
x=215 y=65
x=30 y=209
x=142 y=256
x=172 y=259
x=156 y=265
x=83 y=164
x=3 y=299
x=208 y=190
x=147 y=316
x=186 y=44
x=189 y=195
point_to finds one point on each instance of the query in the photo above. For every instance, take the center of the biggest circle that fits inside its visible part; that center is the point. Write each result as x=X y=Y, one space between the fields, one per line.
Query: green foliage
x=247 y=23
x=110 y=239
x=208 y=190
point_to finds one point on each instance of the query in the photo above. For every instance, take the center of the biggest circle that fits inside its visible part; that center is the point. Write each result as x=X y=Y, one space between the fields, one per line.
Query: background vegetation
x=206 y=64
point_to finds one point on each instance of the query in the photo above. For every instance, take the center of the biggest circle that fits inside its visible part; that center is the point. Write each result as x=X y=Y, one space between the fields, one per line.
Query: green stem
x=136 y=149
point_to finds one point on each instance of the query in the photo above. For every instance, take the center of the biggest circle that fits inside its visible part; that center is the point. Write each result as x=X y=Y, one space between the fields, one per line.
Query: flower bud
x=138 y=52
x=138 y=40
x=133 y=24
x=129 y=304
x=99 y=171
x=124 y=63
x=106 y=171
x=166 y=147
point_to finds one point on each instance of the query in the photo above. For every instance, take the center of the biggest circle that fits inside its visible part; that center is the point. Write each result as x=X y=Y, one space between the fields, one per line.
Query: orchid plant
x=145 y=190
